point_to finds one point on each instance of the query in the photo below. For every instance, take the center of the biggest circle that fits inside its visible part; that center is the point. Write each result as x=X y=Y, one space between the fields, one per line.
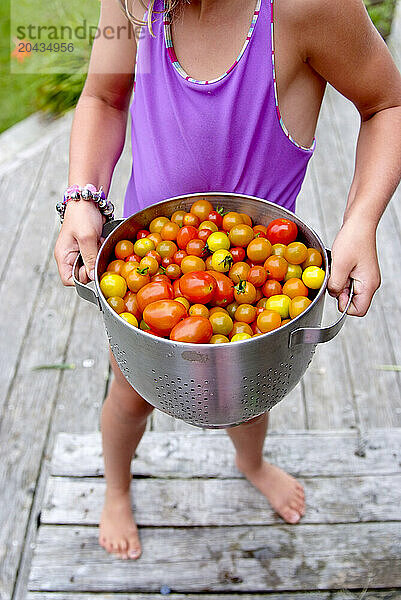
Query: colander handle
x=88 y=291
x=317 y=335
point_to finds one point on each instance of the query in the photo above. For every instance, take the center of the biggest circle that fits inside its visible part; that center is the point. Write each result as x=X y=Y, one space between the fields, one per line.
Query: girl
x=226 y=98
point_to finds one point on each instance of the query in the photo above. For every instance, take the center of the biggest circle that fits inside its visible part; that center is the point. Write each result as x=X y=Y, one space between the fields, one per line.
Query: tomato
x=221 y=323
x=240 y=337
x=246 y=313
x=216 y=217
x=295 y=287
x=176 y=288
x=230 y=219
x=133 y=257
x=208 y=263
x=313 y=277
x=198 y=286
x=282 y=231
x=141 y=247
x=296 y=253
x=166 y=248
x=132 y=304
x=123 y=249
x=259 y=250
x=218 y=241
x=208 y=225
x=117 y=304
x=183 y=301
x=155 y=255
x=259 y=294
x=239 y=272
x=245 y=292
x=116 y=266
x=217 y=309
x=166 y=261
x=239 y=327
x=293 y=271
x=268 y=320
x=196 y=247
x=153 y=291
x=224 y=292
x=196 y=330
x=173 y=271
x=113 y=285
x=314 y=259
x=231 y=308
x=279 y=304
x=276 y=267
x=149 y=263
x=259 y=230
x=199 y=310
x=178 y=256
x=177 y=217
x=271 y=288
x=279 y=249
x=247 y=219
x=192 y=263
x=222 y=261
x=185 y=234
x=127 y=316
x=203 y=234
x=257 y=275
x=201 y=208
x=241 y=235
x=191 y=219
x=157 y=224
x=298 y=305
x=160 y=277
x=163 y=315
x=155 y=237
x=142 y=233
x=170 y=231
x=238 y=254
x=218 y=339
x=285 y=321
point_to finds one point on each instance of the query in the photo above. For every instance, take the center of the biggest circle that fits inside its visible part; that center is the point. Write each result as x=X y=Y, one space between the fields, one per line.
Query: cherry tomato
x=117 y=304
x=293 y=271
x=240 y=337
x=142 y=246
x=198 y=286
x=298 y=305
x=221 y=323
x=178 y=256
x=247 y=219
x=257 y=275
x=166 y=248
x=279 y=249
x=163 y=315
x=219 y=339
x=230 y=219
x=169 y=231
x=149 y=263
x=224 y=292
x=208 y=225
x=231 y=308
x=259 y=230
x=222 y=261
x=142 y=233
x=157 y=224
x=296 y=253
x=203 y=234
x=166 y=261
x=160 y=277
x=153 y=291
x=155 y=255
x=279 y=304
x=113 y=285
x=184 y=302
x=116 y=266
x=155 y=237
x=208 y=263
x=241 y=235
x=185 y=234
x=133 y=257
x=239 y=327
x=271 y=288
x=246 y=313
x=314 y=259
x=123 y=249
x=239 y=272
x=196 y=247
x=196 y=330
x=276 y=267
x=132 y=304
x=192 y=263
x=127 y=316
x=313 y=277
x=282 y=231
x=218 y=241
x=217 y=309
x=177 y=217
x=202 y=208
x=259 y=294
x=295 y=287
x=199 y=310
x=216 y=217
x=238 y=254
x=259 y=250
x=173 y=271
x=191 y=219
x=268 y=320
x=244 y=293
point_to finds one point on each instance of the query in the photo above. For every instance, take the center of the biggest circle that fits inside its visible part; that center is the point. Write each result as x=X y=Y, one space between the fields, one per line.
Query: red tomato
x=176 y=289
x=216 y=217
x=163 y=315
x=142 y=233
x=238 y=254
x=196 y=330
x=160 y=277
x=167 y=260
x=271 y=288
x=155 y=255
x=133 y=258
x=198 y=286
x=156 y=290
x=281 y=231
x=178 y=256
x=204 y=233
x=186 y=234
x=132 y=305
x=257 y=275
x=224 y=292
x=196 y=247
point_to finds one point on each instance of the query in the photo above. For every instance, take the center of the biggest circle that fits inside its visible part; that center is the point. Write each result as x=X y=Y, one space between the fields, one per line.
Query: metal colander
x=211 y=385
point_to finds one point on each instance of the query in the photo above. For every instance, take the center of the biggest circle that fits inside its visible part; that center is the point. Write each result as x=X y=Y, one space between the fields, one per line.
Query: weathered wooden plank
x=195 y=455
x=206 y=502
x=347 y=595
x=223 y=559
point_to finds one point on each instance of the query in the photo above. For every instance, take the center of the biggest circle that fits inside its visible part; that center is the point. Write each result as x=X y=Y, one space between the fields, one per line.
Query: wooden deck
x=207 y=534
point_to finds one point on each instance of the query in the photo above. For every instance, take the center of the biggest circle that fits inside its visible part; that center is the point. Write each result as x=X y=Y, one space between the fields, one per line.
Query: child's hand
x=81 y=232
x=354 y=257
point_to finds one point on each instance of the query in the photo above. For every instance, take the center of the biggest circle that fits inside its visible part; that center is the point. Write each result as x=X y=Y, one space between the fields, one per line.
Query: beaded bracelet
x=87 y=192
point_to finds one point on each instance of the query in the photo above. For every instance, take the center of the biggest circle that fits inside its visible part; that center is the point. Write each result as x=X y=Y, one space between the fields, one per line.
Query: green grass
x=22 y=93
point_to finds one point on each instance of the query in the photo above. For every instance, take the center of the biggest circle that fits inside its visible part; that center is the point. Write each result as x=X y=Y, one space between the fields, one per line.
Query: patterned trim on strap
x=173 y=57
x=283 y=127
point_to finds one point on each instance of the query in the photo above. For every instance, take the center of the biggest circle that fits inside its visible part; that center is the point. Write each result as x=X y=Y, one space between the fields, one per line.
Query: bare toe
x=289 y=515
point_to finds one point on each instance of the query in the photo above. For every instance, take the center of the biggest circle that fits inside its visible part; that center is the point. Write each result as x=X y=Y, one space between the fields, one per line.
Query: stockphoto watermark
x=60 y=41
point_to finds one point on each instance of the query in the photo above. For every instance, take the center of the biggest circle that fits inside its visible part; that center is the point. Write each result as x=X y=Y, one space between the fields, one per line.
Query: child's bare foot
x=118 y=533
x=284 y=492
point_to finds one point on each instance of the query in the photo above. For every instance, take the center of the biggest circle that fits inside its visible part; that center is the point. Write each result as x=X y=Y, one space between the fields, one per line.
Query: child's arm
x=341 y=44
x=97 y=136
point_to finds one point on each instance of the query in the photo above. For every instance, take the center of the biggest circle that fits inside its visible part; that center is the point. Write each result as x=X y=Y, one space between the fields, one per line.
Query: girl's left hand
x=354 y=257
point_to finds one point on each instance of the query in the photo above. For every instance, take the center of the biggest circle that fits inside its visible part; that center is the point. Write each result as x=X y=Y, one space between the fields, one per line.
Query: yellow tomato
x=208 y=225
x=218 y=241
x=218 y=339
x=298 y=305
x=183 y=301
x=293 y=272
x=280 y=304
x=313 y=277
x=239 y=337
x=222 y=261
x=221 y=323
x=113 y=285
x=157 y=224
x=142 y=246
x=129 y=318
x=117 y=304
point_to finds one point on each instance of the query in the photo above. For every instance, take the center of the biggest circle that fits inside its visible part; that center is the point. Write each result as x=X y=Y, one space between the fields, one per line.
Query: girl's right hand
x=81 y=232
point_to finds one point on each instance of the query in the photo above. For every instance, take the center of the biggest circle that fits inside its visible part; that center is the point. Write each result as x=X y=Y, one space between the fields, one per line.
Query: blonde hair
x=170 y=7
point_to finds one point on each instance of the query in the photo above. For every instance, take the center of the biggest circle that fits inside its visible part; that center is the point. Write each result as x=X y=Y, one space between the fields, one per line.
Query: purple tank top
x=223 y=135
